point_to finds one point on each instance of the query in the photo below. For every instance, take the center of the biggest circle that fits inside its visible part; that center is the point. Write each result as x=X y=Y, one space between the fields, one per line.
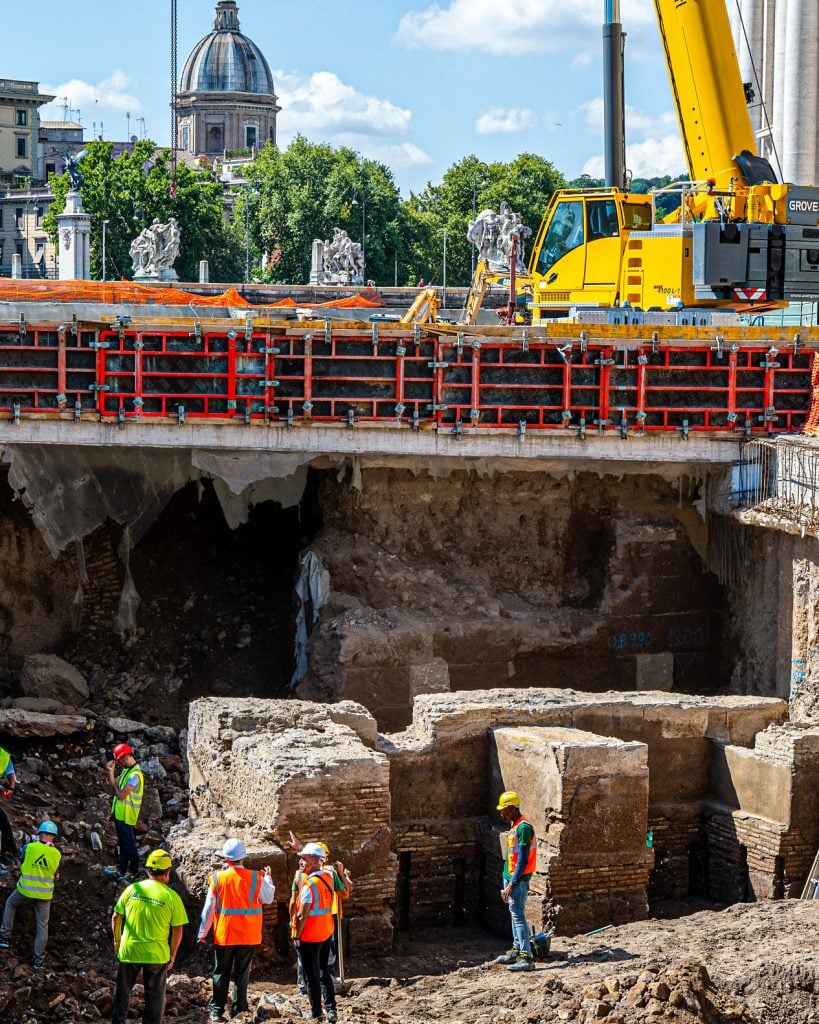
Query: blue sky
x=414 y=83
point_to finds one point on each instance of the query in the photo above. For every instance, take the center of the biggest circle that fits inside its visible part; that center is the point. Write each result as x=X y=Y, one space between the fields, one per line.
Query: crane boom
x=708 y=92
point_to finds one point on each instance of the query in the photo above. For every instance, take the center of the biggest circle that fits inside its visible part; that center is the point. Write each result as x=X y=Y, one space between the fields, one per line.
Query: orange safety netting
x=111 y=293
x=129 y=293
x=812 y=422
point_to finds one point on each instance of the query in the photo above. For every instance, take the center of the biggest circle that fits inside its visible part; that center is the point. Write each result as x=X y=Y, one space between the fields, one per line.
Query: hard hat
x=49 y=827
x=234 y=849
x=508 y=799
x=323 y=845
x=158 y=860
x=314 y=850
x=121 y=750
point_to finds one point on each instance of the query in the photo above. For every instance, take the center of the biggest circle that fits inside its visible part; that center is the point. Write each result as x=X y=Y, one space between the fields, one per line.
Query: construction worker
x=147 y=925
x=8 y=782
x=233 y=906
x=128 y=790
x=519 y=865
x=35 y=888
x=314 y=930
x=342 y=887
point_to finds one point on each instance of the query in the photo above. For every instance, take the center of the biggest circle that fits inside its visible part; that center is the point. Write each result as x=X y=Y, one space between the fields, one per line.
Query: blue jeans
x=517 y=911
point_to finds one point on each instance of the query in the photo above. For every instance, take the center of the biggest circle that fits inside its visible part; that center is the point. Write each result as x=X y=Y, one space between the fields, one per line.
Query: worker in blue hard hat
x=35 y=888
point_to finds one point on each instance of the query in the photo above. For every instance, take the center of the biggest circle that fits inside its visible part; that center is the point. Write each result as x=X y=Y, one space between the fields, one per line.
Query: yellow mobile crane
x=738 y=240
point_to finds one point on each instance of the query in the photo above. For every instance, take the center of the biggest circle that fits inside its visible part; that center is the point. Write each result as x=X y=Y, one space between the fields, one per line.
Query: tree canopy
x=130 y=190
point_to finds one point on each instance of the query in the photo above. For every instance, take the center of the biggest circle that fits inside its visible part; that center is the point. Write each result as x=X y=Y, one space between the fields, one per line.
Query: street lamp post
x=474 y=215
x=247 y=235
x=104 y=240
x=443 y=297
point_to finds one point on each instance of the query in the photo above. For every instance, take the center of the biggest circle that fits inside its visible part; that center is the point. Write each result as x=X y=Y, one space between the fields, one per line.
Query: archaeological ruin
x=369 y=630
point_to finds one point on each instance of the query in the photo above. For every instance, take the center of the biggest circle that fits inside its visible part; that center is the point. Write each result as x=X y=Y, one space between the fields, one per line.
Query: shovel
x=343 y=986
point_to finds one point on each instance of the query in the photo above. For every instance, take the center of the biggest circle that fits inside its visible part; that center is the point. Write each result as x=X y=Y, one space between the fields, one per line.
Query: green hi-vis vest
x=127 y=810
x=39 y=868
x=5 y=760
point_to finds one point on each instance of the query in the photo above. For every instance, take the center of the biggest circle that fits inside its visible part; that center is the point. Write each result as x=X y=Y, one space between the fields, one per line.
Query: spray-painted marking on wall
x=630 y=641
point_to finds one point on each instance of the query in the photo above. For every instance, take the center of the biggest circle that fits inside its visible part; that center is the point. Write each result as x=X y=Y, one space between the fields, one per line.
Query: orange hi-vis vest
x=513 y=848
x=319 y=924
x=238 y=919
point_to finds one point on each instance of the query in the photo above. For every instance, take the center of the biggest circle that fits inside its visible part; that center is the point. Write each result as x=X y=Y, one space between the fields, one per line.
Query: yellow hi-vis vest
x=127 y=810
x=40 y=865
x=5 y=760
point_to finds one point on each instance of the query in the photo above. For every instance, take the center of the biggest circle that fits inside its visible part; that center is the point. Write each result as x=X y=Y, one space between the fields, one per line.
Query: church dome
x=226 y=60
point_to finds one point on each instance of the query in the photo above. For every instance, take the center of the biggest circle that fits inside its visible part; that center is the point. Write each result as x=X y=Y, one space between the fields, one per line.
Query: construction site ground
x=753 y=963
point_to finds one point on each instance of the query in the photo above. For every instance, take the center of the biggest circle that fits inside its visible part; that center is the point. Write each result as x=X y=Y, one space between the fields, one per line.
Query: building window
x=51 y=169
x=1 y=254
x=22 y=146
x=250 y=136
x=21 y=120
x=39 y=217
x=1 y=222
x=186 y=137
x=18 y=248
x=18 y=218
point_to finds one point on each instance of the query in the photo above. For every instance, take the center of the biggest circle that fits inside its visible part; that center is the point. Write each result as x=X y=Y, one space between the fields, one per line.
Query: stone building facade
x=226 y=102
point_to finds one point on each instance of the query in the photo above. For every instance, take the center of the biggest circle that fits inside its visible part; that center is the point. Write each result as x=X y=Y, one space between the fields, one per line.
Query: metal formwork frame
x=411 y=376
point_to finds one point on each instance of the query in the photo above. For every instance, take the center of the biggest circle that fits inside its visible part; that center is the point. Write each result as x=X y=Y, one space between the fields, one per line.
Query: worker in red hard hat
x=128 y=788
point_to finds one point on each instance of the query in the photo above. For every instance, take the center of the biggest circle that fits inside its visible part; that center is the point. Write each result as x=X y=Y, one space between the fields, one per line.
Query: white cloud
x=656 y=149
x=639 y=125
x=324 y=108
x=94 y=101
x=651 y=158
x=322 y=103
x=516 y=26
x=500 y=120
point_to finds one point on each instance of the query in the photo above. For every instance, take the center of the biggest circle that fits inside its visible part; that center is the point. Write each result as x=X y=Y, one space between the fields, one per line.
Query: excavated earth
x=752 y=963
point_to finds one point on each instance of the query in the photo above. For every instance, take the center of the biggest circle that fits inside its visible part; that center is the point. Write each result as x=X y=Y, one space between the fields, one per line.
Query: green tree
x=130 y=190
x=296 y=195
x=526 y=184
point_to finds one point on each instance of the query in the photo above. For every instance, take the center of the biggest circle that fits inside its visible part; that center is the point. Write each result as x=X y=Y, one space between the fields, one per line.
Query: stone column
x=74 y=235
x=317 y=261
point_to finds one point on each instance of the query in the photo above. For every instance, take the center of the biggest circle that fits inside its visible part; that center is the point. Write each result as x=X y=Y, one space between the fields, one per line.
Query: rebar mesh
x=779 y=477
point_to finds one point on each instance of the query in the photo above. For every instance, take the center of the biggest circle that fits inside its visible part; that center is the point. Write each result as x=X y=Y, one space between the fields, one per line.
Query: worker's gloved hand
x=8 y=794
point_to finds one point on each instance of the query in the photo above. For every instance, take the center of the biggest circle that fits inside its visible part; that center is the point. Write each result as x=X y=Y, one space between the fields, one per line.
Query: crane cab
x=578 y=252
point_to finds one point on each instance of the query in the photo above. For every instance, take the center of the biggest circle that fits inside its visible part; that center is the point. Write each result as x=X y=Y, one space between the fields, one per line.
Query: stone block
x=46 y=675
x=655 y=671
x=432 y=677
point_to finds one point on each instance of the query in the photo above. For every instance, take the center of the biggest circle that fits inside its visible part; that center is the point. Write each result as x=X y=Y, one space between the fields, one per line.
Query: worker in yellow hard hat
x=147 y=925
x=519 y=863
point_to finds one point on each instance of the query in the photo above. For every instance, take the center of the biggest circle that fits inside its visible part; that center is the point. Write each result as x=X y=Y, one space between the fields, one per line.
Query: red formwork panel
x=336 y=375
x=176 y=373
x=47 y=370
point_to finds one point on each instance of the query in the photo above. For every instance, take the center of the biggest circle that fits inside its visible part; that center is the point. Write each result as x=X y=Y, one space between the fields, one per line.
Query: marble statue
x=341 y=261
x=491 y=233
x=154 y=251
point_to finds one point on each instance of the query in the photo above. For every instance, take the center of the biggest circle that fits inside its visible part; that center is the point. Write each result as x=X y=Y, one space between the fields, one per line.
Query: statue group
x=154 y=251
x=492 y=233
x=341 y=260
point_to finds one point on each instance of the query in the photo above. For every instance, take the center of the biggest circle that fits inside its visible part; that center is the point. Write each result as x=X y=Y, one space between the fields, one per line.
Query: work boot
x=523 y=963
x=5 y=944
x=109 y=871
x=509 y=957
x=217 y=1015
x=128 y=878
x=332 y=1016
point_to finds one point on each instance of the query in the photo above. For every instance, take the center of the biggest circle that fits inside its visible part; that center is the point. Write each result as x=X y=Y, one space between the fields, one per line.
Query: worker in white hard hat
x=519 y=863
x=314 y=930
x=35 y=888
x=233 y=908
x=147 y=924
